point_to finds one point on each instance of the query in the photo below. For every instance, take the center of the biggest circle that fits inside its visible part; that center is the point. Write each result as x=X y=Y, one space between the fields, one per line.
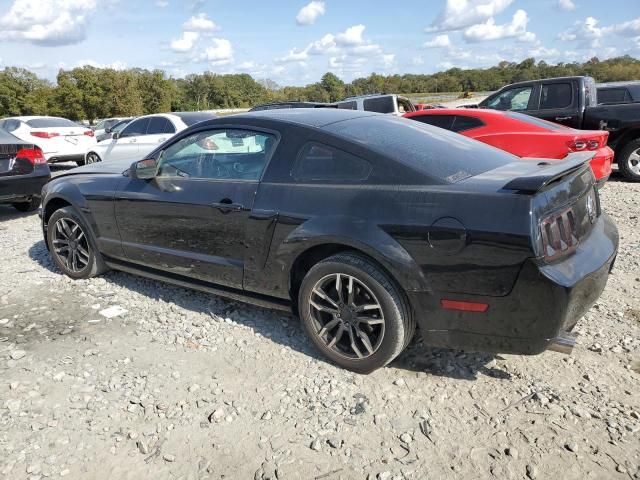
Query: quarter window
x=613 y=95
x=322 y=163
x=463 y=123
x=512 y=99
x=229 y=154
x=556 y=95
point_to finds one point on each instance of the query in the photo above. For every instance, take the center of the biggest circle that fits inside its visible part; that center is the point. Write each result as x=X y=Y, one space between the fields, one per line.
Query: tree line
x=91 y=93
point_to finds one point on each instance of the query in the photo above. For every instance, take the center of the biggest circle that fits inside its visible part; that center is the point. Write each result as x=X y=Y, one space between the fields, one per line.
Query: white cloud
x=460 y=14
x=47 y=22
x=186 y=43
x=162 y=3
x=439 y=41
x=566 y=5
x=310 y=13
x=200 y=23
x=220 y=52
x=517 y=28
x=117 y=65
x=351 y=36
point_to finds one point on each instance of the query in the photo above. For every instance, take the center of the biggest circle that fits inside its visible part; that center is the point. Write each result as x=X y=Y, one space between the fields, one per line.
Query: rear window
x=463 y=123
x=50 y=122
x=444 y=156
x=191 y=118
x=351 y=105
x=440 y=121
x=614 y=95
x=521 y=117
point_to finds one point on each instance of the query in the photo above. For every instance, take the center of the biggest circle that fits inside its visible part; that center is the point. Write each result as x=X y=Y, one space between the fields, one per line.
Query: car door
x=559 y=103
x=159 y=130
x=126 y=145
x=191 y=218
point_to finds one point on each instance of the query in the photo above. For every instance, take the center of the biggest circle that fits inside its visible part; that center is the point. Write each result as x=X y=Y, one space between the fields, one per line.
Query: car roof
x=468 y=112
x=630 y=83
x=310 y=117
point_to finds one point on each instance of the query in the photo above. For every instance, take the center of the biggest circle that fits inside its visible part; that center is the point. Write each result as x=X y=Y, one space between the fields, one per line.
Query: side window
x=512 y=99
x=348 y=105
x=441 y=121
x=383 y=104
x=463 y=123
x=322 y=163
x=136 y=128
x=159 y=126
x=10 y=125
x=228 y=154
x=556 y=95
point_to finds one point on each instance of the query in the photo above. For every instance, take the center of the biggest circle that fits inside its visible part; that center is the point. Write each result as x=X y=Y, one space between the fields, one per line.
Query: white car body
x=143 y=135
x=381 y=103
x=60 y=140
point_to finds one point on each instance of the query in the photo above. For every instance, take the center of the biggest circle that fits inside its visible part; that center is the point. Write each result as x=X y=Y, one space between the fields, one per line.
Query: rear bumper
x=22 y=187
x=546 y=301
x=77 y=157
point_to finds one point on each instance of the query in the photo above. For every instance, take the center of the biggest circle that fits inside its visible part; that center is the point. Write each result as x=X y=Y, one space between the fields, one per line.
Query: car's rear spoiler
x=550 y=171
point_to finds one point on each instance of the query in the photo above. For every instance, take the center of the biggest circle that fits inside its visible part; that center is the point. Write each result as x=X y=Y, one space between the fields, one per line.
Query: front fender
x=357 y=234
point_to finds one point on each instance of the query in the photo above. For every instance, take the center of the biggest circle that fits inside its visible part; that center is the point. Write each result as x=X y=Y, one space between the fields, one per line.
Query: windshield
x=442 y=155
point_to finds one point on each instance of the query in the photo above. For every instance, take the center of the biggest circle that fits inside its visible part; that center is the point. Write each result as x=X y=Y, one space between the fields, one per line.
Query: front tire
x=72 y=245
x=354 y=313
x=629 y=161
x=30 y=206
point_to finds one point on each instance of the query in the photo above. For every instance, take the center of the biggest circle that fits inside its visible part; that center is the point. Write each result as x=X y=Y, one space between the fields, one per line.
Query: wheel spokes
x=70 y=245
x=352 y=309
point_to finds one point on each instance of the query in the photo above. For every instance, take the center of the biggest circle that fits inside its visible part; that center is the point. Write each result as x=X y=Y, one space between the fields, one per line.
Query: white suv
x=60 y=140
x=143 y=135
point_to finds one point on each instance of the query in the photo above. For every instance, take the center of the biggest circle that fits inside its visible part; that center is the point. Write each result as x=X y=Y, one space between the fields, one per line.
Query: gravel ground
x=179 y=384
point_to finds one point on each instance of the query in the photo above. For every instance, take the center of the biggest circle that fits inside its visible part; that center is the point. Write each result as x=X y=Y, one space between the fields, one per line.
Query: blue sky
x=295 y=42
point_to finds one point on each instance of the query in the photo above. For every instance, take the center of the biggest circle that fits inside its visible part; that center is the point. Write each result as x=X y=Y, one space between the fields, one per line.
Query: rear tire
x=72 y=245
x=369 y=305
x=92 y=157
x=629 y=161
x=30 y=206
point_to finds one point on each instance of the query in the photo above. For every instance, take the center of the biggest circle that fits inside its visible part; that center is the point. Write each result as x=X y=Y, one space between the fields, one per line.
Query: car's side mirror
x=116 y=135
x=144 y=169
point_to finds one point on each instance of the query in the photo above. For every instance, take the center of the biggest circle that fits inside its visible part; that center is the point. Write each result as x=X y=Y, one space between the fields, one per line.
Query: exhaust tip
x=563 y=343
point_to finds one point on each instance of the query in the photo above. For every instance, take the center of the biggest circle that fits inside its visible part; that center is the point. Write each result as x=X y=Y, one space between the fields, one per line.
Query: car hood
x=109 y=167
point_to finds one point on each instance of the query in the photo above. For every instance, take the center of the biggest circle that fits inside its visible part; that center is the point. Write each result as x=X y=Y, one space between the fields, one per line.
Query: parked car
x=285 y=105
x=426 y=106
x=523 y=135
x=364 y=224
x=378 y=102
x=572 y=101
x=143 y=135
x=109 y=131
x=60 y=140
x=618 y=92
x=23 y=172
x=103 y=125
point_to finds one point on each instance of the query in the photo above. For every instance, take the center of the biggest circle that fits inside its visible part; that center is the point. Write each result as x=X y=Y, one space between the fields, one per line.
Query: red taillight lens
x=584 y=144
x=45 y=134
x=33 y=155
x=89 y=133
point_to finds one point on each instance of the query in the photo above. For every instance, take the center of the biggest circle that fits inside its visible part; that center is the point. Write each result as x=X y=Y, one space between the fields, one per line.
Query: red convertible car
x=522 y=135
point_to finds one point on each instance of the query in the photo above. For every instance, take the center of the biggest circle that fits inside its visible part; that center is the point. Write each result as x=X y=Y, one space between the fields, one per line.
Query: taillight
x=89 y=133
x=583 y=144
x=33 y=155
x=559 y=234
x=45 y=134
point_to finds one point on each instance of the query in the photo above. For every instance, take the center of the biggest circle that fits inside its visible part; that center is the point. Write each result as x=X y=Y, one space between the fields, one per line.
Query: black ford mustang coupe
x=365 y=224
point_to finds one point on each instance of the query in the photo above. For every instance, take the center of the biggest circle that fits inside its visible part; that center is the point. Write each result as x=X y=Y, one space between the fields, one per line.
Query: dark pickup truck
x=573 y=101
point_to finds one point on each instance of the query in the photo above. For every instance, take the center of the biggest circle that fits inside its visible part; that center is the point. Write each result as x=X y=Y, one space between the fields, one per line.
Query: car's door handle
x=561 y=119
x=226 y=206
x=134 y=140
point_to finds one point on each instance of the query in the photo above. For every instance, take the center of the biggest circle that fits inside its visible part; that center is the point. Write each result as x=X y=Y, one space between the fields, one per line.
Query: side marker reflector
x=464 y=306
